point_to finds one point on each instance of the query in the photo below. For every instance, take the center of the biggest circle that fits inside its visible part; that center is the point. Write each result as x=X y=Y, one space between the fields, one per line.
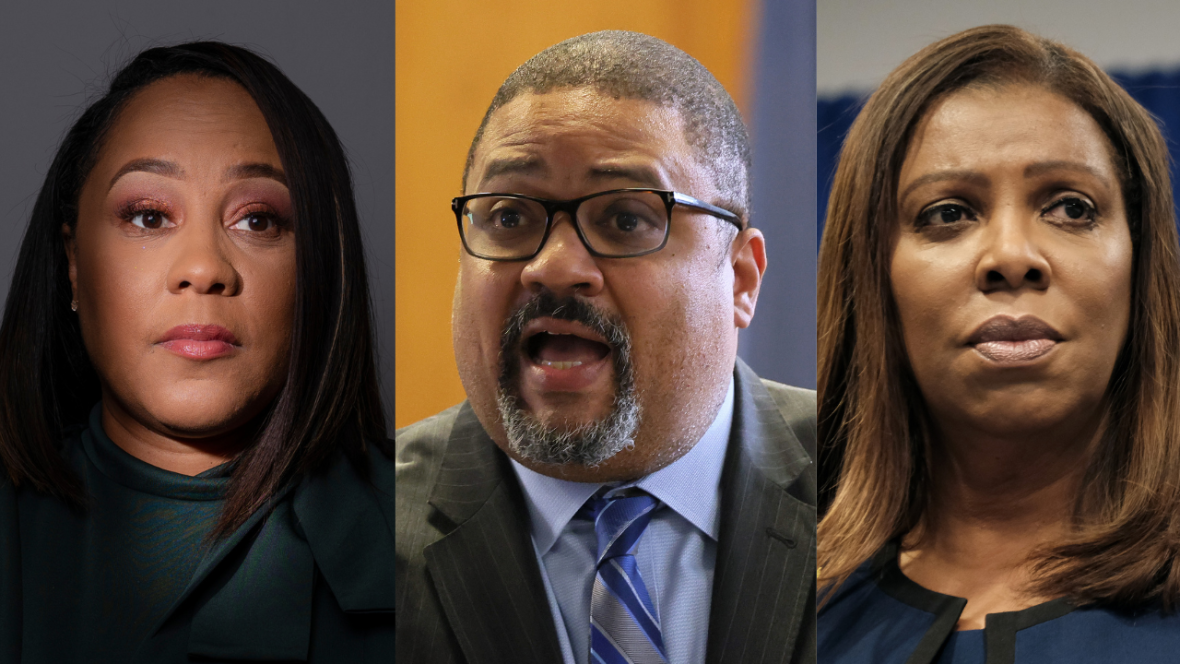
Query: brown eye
x=944 y=214
x=1071 y=209
x=256 y=222
x=149 y=219
x=508 y=218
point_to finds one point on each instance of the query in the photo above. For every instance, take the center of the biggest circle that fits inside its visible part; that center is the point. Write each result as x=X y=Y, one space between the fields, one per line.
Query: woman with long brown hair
x=999 y=367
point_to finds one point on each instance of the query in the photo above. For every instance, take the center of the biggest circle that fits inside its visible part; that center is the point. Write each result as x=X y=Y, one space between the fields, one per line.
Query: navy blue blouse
x=880 y=616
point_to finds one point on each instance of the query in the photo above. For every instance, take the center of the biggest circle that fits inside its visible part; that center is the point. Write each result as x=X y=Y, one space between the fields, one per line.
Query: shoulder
x=797 y=406
x=796 y=402
x=419 y=450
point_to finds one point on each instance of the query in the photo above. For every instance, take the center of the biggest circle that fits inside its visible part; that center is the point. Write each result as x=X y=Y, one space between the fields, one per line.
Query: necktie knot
x=619 y=521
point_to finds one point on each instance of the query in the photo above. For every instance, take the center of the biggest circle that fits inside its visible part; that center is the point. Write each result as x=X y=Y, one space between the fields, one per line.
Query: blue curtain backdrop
x=1157 y=91
x=780 y=344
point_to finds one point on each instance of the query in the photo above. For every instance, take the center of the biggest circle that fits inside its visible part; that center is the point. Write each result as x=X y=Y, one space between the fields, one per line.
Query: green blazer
x=308 y=581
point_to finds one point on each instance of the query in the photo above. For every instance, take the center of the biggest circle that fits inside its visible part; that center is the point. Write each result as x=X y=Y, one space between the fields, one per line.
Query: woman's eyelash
x=1071 y=205
x=261 y=211
x=130 y=210
x=944 y=213
x=146 y=209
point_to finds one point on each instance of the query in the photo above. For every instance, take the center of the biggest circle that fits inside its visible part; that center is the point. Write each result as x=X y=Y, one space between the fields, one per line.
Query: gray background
x=780 y=344
x=58 y=55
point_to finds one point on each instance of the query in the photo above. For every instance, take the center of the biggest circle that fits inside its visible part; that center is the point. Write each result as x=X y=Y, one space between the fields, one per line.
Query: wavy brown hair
x=873 y=433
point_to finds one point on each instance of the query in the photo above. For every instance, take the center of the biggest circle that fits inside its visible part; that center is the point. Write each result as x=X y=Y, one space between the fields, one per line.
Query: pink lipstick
x=1008 y=340
x=199 y=342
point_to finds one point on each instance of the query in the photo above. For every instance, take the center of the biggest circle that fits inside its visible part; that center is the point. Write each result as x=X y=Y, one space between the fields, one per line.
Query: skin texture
x=682 y=305
x=221 y=253
x=1010 y=440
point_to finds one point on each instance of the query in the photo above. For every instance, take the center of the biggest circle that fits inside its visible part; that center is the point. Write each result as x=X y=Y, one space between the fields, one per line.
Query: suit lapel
x=485 y=570
x=766 y=549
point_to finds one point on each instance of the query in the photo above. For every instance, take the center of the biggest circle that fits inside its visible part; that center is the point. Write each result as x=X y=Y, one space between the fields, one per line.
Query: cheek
x=118 y=287
x=681 y=324
x=269 y=302
x=481 y=305
x=922 y=285
x=1102 y=286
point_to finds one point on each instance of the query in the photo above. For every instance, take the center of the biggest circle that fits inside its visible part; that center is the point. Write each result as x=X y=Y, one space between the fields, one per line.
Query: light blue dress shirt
x=676 y=554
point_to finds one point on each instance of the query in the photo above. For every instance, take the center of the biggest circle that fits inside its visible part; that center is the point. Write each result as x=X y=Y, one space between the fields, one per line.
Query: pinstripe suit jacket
x=469 y=588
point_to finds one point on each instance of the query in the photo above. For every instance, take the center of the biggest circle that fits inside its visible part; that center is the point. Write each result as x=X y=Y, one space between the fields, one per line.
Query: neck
x=178 y=454
x=996 y=498
x=1012 y=487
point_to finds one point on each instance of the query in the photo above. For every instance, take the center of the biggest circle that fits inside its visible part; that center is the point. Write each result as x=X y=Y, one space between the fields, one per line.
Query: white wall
x=860 y=41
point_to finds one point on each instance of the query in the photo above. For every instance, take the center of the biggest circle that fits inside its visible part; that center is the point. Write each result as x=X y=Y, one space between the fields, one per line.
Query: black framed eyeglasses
x=620 y=223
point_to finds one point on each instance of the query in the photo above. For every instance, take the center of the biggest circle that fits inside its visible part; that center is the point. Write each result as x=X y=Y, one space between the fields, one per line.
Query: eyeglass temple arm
x=720 y=213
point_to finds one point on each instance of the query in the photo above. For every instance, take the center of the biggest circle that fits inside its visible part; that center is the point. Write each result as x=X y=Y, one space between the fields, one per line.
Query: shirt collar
x=552 y=502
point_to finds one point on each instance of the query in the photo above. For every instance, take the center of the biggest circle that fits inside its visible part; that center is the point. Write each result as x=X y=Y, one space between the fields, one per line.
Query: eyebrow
x=973 y=177
x=1030 y=171
x=529 y=165
x=1042 y=167
x=246 y=171
x=168 y=169
x=642 y=175
x=173 y=170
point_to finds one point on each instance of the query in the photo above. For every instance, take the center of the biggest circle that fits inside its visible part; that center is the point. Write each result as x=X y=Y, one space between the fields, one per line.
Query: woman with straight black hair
x=191 y=435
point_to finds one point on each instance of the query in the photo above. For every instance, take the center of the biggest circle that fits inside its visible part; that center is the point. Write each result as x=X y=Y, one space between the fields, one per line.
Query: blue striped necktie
x=624 y=627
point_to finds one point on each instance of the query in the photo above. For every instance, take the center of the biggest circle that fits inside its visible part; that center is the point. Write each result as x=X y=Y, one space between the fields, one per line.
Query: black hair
x=631 y=65
x=330 y=400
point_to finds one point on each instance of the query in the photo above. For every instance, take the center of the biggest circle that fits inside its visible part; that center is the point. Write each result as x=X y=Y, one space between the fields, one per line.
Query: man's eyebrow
x=168 y=169
x=640 y=175
x=259 y=170
x=529 y=165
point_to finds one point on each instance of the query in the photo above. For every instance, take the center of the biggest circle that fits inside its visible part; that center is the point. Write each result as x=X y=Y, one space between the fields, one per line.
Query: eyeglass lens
x=614 y=224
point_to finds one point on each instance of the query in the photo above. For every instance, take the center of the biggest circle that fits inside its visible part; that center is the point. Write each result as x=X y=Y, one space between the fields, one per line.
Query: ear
x=67 y=237
x=748 y=255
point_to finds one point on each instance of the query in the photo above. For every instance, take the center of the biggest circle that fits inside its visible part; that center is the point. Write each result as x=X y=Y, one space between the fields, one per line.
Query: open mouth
x=562 y=356
x=563 y=350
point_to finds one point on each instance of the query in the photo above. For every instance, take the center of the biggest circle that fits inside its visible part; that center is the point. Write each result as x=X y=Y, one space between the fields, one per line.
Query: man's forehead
x=582 y=134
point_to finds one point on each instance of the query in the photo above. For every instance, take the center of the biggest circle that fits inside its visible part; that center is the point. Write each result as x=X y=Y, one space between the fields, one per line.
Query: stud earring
x=74 y=305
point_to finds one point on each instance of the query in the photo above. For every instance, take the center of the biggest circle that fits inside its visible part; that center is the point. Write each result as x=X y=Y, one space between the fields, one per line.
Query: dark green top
x=104 y=579
x=134 y=578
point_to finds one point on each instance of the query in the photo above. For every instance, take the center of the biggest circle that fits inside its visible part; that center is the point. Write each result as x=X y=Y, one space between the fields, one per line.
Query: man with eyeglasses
x=618 y=487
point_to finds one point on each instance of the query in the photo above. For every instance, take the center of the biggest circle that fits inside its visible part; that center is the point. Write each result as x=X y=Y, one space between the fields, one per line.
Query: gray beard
x=586 y=444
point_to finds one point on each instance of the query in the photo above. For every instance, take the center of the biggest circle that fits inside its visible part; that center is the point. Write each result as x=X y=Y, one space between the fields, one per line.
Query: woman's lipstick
x=1008 y=340
x=199 y=342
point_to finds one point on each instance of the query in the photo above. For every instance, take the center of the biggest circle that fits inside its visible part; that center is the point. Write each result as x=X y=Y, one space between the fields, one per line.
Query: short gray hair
x=631 y=65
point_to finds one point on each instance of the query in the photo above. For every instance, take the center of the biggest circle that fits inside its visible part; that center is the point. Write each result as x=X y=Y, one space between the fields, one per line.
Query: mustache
x=570 y=308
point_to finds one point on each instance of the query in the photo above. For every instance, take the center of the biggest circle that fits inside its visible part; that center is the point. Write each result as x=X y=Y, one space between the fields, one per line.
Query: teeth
x=561 y=365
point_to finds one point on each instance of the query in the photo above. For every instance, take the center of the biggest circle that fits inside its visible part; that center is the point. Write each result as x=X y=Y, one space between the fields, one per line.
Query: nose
x=564 y=265
x=202 y=262
x=1012 y=258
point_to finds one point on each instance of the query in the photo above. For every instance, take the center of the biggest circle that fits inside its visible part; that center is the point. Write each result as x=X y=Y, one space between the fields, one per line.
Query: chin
x=1023 y=416
x=200 y=413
